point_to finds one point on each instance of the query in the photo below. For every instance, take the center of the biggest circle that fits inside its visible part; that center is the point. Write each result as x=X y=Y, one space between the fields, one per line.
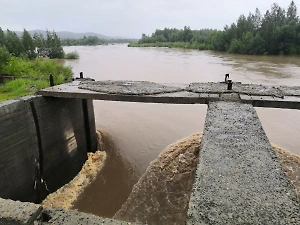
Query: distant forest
x=92 y=40
x=277 y=32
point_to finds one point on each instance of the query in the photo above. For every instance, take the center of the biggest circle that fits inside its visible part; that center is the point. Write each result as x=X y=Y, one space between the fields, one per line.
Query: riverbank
x=184 y=45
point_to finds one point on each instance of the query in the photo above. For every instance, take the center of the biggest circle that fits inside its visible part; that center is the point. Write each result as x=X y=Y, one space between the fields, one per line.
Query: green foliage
x=32 y=47
x=53 y=46
x=2 y=37
x=72 y=55
x=4 y=57
x=13 y=43
x=32 y=75
x=38 y=69
x=21 y=87
x=91 y=41
x=28 y=45
x=276 y=32
x=40 y=44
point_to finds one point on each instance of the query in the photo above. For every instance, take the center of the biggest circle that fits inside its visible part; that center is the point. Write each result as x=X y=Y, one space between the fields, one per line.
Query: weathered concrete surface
x=23 y=213
x=19 y=151
x=128 y=87
x=194 y=93
x=92 y=126
x=239 y=179
x=72 y=90
x=63 y=139
x=42 y=140
x=14 y=212
x=248 y=89
x=290 y=90
x=162 y=194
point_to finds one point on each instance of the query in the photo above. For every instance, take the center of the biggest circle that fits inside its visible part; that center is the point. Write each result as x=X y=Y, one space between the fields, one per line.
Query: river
x=141 y=131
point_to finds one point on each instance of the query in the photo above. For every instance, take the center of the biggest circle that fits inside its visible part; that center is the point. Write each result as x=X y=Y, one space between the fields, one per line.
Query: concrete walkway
x=239 y=179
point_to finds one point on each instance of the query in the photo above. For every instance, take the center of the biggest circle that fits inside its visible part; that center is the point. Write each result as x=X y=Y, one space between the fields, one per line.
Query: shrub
x=72 y=55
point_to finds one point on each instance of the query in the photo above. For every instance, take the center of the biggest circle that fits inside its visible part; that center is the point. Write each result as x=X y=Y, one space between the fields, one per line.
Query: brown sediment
x=291 y=166
x=66 y=195
x=162 y=194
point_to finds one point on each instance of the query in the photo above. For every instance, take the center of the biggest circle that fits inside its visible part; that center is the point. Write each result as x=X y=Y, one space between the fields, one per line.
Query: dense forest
x=32 y=47
x=274 y=33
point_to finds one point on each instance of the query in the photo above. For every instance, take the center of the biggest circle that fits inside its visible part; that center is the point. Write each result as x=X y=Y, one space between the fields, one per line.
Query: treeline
x=32 y=47
x=92 y=40
x=276 y=32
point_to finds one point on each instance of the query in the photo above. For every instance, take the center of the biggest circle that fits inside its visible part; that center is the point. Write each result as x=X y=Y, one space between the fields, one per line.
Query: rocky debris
x=162 y=194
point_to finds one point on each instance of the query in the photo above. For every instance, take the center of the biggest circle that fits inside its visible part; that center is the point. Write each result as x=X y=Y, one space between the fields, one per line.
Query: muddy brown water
x=141 y=131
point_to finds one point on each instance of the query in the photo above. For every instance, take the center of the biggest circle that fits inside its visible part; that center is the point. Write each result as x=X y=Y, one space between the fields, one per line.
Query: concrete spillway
x=238 y=179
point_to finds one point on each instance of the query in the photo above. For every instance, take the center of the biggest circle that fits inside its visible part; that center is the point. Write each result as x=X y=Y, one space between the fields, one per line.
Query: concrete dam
x=44 y=140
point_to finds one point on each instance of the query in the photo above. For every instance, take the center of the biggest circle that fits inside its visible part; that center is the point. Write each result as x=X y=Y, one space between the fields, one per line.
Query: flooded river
x=141 y=131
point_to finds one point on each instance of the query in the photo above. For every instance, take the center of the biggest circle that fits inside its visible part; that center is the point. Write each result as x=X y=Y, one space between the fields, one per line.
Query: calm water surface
x=141 y=131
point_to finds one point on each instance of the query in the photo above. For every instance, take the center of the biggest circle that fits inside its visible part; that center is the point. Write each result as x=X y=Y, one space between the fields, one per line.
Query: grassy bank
x=30 y=75
x=185 y=45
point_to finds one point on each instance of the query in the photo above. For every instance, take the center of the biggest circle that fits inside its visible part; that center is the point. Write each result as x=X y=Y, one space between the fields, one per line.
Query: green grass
x=72 y=55
x=21 y=87
x=31 y=76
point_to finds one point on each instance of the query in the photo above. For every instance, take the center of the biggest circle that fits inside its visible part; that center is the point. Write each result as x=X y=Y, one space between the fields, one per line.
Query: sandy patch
x=291 y=166
x=67 y=194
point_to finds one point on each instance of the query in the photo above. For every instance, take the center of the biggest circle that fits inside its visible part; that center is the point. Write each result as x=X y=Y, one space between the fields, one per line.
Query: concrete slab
x=15 y=212
x=239 y=179
x=289 y=102
x=128 y=87
x=249 y=89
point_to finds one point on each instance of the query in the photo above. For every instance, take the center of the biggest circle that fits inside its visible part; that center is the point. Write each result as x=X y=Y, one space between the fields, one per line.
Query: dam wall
x=43 y=144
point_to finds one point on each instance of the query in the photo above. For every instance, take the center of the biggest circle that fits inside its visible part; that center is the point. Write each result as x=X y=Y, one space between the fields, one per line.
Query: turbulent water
x=141 y=131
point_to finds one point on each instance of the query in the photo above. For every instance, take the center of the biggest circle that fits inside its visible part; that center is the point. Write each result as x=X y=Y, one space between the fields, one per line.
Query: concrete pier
x=239 y=179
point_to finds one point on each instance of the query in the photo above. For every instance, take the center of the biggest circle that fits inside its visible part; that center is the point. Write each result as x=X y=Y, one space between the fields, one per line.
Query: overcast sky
x=126 y=18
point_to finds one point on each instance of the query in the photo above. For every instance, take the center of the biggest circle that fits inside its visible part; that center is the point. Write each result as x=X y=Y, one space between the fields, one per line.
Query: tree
x=292 y=13
x=13 y=43
x=257 y=19
x=2 y=37
x=4 y=57
x=28 y=45
x=54 y=47
x=40 y=44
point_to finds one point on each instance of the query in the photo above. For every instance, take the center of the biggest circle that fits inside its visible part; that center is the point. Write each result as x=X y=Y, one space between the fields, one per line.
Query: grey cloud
x=128 y=18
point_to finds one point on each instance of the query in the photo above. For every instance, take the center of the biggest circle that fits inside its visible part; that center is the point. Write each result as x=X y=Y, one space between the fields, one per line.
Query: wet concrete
x=239 y=179
x=14 y=212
